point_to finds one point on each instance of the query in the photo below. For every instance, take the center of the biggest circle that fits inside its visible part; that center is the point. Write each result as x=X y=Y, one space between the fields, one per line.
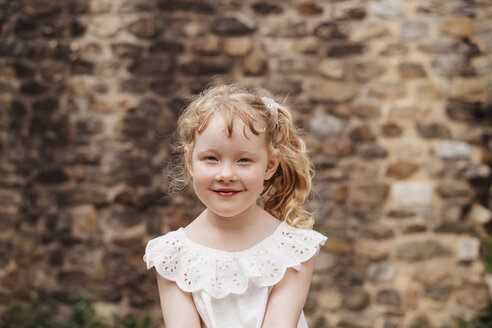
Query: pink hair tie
x=272 y=107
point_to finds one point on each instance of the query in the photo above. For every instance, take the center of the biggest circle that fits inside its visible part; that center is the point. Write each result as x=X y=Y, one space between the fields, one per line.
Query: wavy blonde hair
x=284 y=194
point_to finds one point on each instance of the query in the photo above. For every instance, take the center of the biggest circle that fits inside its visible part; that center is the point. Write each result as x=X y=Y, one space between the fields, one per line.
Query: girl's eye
x=211 y=158
x=244 y=160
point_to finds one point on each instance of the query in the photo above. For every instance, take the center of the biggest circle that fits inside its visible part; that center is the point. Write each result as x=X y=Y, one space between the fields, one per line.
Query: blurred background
x=393 y=97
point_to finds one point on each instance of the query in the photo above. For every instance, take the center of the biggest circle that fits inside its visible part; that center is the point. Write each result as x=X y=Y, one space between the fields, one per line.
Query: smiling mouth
x=227 y=192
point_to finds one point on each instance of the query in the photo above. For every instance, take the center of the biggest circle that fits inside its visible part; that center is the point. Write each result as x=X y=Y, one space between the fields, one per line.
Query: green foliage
x=485 y=321
x=45 y=314
x=487 y=253
x=488 y=80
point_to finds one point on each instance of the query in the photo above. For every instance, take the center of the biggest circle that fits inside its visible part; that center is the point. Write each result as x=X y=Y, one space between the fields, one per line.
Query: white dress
x=231 y=289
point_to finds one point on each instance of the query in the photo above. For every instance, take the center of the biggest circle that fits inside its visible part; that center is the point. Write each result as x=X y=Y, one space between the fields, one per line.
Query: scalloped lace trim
x=194 y=267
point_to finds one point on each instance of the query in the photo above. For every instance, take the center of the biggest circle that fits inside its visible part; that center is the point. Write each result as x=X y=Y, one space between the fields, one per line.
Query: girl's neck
x=243 y=220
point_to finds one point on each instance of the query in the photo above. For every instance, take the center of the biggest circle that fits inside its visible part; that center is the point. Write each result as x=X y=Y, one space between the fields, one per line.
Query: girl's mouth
x=226 y=192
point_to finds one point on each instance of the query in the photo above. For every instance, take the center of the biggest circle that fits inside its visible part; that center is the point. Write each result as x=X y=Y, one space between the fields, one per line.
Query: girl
x=239 y=264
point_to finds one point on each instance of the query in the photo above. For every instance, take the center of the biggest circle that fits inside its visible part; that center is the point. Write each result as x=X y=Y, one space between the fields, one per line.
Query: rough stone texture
x=449 y=149
x=401 y=170
x=330 y=91
x=323 y=126
x=393 y=98
x=468 y=249
x=412 y=193
x=420 y=250
x=381 y=272
x=412 y=30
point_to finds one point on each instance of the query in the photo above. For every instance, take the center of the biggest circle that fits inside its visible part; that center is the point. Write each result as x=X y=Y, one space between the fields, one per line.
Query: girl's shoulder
x=195 y=267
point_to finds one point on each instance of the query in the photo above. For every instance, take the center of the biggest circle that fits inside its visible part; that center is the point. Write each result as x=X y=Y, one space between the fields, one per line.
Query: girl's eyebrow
x=242 y=152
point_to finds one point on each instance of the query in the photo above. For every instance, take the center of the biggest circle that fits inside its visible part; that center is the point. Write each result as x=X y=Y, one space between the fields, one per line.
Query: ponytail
x=285 y=193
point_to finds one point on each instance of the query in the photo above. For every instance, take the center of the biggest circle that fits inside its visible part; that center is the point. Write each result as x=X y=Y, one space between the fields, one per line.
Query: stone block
x=388 y=297
x=166 y=47
x=421 y=250
x=394 y=49
x=372 y=151
x=355 y=320
x=464 y=111
x=479 y=214
x=206 y=66
x=372 y=251
x=291 y=65
x=401 y=170
x=459 y=27
x=255 y=64
x=468 y=90
x=369 y=31
x=369 y=70
x=473 y=296
x=433 y=131
x=344 y=50
x=146 y=27
x=329 y=300
x=105 y=26
x=439 y=292
x=365 y=110
x=238 y=46
x=387 y=90
x=443 y=45
x=126 y=50
x=349 y=12
x=152 y=65
x=33 y=88
x=454 y=188
x=362 y=133
x=451 y=149
x=449 y=65
x=289 y=28
x=468 y=249
x=266 y=8
x=331 y=31
x=208 y=46
x=411 y=71
x=331 y=91
x=413 y=30
x=369 y=194
x=391 y=130
x=194 y=29
x=323 y=125
x=381 y=272
x=308 y=8
x=233 y=26
x=388 y=10
x=417 y=193
x=355 y=299
x=332 y=69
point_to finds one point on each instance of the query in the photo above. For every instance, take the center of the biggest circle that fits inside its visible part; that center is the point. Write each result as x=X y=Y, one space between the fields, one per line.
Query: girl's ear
x=272 y=164
x=187 y=155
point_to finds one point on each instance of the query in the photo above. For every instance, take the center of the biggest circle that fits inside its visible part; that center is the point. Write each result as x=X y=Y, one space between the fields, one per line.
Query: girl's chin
x=229 y=213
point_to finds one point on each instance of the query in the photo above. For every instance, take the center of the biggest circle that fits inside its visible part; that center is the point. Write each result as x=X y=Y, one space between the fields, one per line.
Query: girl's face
x=228 y=172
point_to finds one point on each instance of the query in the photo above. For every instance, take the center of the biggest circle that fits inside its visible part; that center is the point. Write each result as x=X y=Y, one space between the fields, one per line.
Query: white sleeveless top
x=231 y=289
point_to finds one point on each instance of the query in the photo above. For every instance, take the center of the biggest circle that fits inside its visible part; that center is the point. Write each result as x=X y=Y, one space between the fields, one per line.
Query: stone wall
x=392 y=96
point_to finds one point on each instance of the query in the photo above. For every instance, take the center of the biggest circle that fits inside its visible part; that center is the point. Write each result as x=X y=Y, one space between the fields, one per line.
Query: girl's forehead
x=215 y=136
x=218 y=125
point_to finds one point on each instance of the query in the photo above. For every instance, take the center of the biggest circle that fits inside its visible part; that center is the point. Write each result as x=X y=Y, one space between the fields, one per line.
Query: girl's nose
x=226 y=173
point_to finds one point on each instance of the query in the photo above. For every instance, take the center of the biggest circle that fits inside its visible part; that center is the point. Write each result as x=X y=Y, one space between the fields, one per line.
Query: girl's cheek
x=202 y=170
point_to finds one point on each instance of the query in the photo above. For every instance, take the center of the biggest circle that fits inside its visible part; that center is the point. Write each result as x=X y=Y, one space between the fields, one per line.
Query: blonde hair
x=286 y=191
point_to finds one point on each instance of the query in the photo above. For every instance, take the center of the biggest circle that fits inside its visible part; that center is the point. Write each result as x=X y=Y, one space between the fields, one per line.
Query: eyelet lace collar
x=195 y=267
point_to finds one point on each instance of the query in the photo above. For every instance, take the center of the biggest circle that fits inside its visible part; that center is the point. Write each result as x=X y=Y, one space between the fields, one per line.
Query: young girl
x=239 y=264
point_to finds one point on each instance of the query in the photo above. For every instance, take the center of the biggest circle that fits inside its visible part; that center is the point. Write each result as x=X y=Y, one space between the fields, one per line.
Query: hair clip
x=272 y=106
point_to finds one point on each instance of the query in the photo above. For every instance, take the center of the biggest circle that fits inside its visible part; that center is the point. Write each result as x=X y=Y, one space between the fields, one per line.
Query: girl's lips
x=226 y=192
